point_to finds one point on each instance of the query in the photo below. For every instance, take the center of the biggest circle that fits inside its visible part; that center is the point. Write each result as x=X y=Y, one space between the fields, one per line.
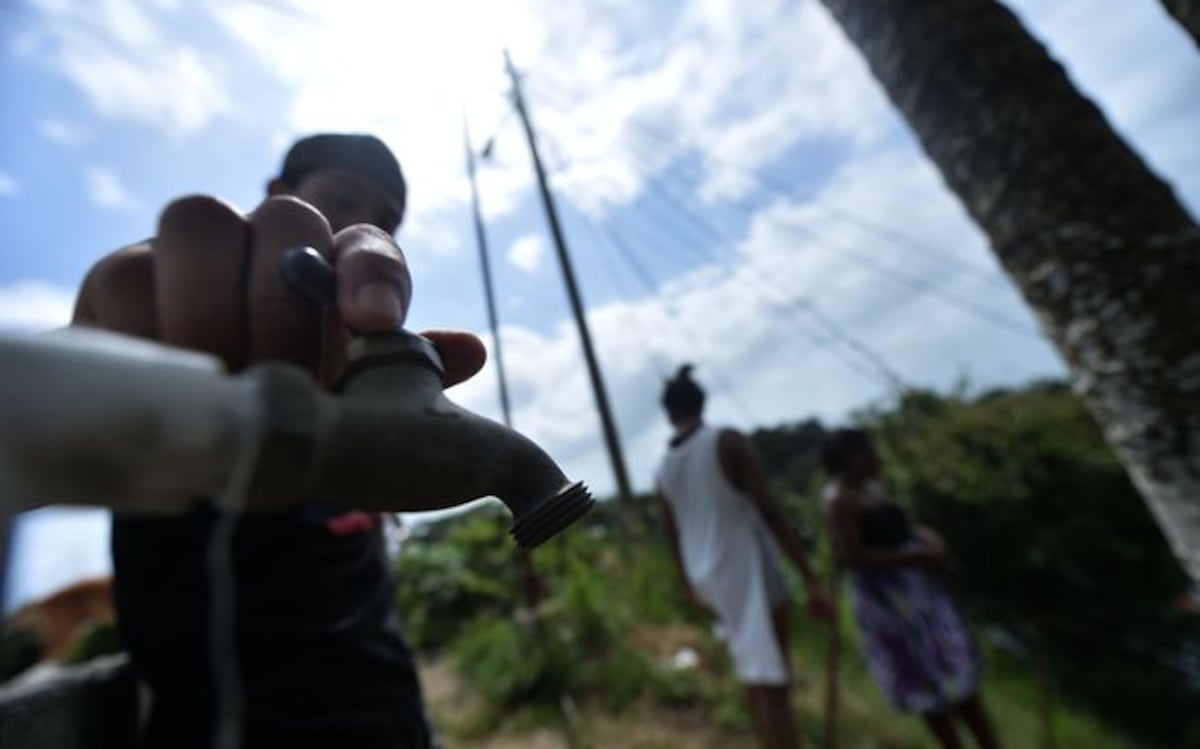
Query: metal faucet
x=94 y=418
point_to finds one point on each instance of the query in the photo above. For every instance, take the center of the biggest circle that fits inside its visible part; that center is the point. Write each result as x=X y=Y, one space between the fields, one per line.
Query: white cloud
x=718 y=83
x=10 y=186
x=742 y=321
x=34 y=306
x=62 y=132
x=526 y=253
x=715 y=78
x=131 y=68
x=106 y=190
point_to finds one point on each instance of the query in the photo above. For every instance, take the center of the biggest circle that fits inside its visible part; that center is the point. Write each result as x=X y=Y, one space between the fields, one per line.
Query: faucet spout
x=391 y=440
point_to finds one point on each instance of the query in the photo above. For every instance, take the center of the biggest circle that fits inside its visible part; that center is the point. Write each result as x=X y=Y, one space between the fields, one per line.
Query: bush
x=20 y=648
x=574 y=643
x=1053 y=543
x=97 y=639
x=443 y=585
x=1047 y=531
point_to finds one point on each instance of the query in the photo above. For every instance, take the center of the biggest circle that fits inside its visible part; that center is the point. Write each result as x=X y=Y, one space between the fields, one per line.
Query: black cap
x=364 y=155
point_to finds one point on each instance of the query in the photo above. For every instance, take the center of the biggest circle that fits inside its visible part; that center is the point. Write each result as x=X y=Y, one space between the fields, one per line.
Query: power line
x=657 y=361
x=889 y=234
x=652 y=288
x=892 y=274
x=765 y=181
x=806 y=305
x=876 y=367
x=672 y=311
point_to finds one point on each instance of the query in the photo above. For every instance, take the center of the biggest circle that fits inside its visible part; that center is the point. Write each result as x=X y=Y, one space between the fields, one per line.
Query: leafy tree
x=1049 y=540
x=452 y=573
x=791 y=453
x=1099 y=246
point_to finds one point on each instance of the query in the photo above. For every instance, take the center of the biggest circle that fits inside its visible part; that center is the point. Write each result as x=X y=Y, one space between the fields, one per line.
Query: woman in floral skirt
x=918 y=648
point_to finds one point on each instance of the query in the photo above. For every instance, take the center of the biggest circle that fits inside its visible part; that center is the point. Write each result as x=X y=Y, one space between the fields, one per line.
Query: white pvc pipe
x=94 y=418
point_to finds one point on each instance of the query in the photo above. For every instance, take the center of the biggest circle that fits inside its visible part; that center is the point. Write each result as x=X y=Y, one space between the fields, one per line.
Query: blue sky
x=738 y=151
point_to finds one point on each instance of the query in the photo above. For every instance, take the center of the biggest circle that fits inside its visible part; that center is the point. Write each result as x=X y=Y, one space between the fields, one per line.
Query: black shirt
x=319 y=653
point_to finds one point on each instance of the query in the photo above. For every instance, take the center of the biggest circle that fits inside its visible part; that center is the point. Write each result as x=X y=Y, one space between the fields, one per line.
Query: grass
x=597 y=663
x=711 y=714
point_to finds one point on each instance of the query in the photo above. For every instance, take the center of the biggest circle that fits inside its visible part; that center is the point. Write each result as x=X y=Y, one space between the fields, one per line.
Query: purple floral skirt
x=917 y=647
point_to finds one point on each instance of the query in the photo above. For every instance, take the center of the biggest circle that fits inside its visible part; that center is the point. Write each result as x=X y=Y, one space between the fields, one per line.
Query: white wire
x=226 y=674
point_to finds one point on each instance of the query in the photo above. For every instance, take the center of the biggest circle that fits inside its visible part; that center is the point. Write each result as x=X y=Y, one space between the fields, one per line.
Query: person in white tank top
x=726 y=534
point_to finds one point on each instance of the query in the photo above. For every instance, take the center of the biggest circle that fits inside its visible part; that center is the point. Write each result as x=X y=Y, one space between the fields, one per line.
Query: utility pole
x=529 y=584
x=611 y=439
x=486 y=268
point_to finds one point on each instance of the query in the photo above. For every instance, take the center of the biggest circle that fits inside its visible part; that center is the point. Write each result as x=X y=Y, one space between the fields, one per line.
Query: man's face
x=346 y=199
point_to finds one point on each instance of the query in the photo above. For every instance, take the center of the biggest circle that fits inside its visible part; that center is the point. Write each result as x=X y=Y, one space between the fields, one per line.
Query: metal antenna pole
x=611 y=439
x=486 y=268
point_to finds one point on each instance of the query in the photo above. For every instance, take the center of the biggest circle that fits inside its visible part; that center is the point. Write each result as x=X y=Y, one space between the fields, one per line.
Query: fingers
x=211 y=282
x=463 y=354
x=374 y=286
x=373 y=291
x=199 y=278
x=283 y=326
x=118 y=294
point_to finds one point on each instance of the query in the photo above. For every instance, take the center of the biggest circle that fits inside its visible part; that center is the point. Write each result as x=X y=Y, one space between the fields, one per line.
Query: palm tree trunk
x=1100 y=247
x=1187 y=12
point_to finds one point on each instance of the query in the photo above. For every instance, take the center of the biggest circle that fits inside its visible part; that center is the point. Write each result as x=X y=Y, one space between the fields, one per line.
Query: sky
x=736 y=190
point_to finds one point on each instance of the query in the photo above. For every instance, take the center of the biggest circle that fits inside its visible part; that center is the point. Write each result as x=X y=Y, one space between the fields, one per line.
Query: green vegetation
x=96 y=639
x=1054 y=547
x=1058 y=565
x=20 y=648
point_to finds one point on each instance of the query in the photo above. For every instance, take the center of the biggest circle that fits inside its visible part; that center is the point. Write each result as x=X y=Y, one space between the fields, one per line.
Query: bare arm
x=848 y=546
x=741 y=467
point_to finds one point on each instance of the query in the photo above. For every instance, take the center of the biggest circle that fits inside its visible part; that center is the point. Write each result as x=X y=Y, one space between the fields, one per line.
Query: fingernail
x=381 y=300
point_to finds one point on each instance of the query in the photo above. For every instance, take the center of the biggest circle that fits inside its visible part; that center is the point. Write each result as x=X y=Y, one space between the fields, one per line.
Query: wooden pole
x=486 y=269
x=611 y=438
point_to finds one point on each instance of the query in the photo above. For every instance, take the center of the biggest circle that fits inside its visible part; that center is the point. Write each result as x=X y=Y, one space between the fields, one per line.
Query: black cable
x=877 y=368
x=772 y=184
x=673 y=313
x=896 y=276
x=657 y=361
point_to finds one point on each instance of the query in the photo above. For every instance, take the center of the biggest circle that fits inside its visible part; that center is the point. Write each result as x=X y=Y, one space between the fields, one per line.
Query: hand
x=933 y=545
x=701 y=604
x=210 y=282
x=820 y=607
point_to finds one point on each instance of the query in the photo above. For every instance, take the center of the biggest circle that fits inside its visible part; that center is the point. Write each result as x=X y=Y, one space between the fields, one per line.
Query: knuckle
x=119 y=270
x=199 y=213
x=367 y=238
x=373 y=265
x=290 y=213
